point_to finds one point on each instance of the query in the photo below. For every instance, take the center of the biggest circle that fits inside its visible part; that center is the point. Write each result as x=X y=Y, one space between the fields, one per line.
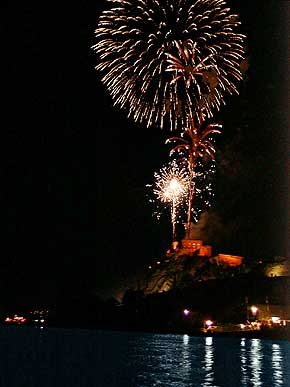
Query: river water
x=50 y=357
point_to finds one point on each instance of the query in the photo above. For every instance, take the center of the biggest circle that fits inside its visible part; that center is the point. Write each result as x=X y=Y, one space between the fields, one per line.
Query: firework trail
x=164 y=61
x=194 y=148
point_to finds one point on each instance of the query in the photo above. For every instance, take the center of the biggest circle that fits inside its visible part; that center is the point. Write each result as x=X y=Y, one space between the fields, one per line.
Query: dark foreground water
x=75 y=358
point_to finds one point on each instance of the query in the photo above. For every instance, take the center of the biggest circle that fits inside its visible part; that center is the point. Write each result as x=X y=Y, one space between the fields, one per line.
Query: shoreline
x=264 y=334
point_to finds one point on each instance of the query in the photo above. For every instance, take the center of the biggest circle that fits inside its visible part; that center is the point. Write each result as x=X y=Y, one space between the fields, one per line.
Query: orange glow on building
x=231 y=260
x=191 y=244
x=196 y=245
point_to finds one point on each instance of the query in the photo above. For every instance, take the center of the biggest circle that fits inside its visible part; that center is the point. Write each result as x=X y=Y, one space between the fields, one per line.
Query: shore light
x=254 y=310
x=208 y=323
x=275 y=320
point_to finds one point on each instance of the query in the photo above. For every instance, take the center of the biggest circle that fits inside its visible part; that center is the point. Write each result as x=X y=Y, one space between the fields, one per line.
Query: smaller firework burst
x=202 y=185
x=171 y=188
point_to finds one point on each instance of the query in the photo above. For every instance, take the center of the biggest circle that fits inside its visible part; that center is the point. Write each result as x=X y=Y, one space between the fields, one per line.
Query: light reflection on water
x=256 y=357
x=277 y=365
x=186 y=365
x=263 y=359
x=244 y=363
x=81 y=358
x=209 y=362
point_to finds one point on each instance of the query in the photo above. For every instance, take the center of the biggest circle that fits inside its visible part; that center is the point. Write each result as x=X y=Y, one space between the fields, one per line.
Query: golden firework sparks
x=163 y=61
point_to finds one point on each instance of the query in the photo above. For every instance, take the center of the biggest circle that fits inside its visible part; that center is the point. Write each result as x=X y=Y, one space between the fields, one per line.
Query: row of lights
x=21 y=320
x=15 y=319
x=209 y=323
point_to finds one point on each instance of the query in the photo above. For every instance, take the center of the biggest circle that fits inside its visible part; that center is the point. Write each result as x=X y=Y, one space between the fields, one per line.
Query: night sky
x=75 y=211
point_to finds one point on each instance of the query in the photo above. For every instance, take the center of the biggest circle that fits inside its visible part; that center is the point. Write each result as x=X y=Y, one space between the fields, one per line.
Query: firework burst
x=164 y=61
x=171 y=188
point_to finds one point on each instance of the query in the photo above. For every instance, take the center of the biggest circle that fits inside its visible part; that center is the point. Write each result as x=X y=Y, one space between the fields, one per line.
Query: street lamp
x=207 y=325
x=254 y=311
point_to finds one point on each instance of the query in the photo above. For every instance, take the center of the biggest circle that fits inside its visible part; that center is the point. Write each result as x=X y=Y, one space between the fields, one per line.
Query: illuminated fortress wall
x=231 y=260
x=193 y=245
x=281 y=269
